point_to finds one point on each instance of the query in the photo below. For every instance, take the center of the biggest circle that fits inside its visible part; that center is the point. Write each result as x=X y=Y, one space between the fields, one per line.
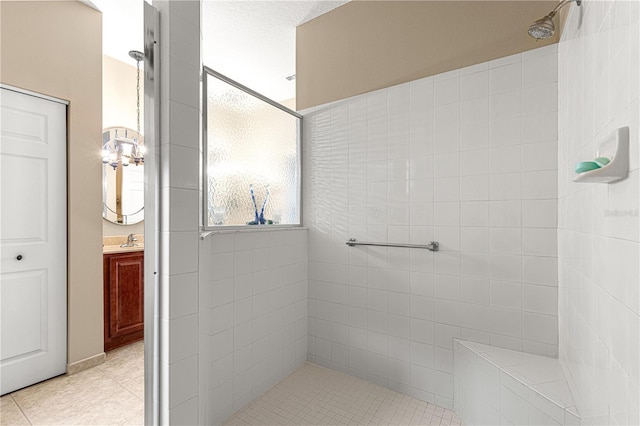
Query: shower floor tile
x=314 y=395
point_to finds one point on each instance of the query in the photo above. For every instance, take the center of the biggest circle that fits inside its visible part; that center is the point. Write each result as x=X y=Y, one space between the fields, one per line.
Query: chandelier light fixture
x=122 y=149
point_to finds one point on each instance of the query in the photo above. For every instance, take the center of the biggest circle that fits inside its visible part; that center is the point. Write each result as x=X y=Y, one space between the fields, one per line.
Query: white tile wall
x=253 y=316
x=467 y=158
x=598 y=240
x=179 y=104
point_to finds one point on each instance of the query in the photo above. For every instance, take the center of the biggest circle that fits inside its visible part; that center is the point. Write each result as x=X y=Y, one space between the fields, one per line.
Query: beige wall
x=119 y=110
x=367 y=45
x=55 y=48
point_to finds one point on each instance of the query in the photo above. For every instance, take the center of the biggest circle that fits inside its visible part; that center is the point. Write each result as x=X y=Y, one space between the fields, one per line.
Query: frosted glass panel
x=252 y=164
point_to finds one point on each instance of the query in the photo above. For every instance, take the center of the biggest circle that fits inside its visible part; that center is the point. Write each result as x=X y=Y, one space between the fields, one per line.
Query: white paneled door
x=33 y=239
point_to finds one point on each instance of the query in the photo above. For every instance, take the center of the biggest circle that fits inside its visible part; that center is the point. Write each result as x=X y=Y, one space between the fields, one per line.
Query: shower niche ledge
x=615 y=147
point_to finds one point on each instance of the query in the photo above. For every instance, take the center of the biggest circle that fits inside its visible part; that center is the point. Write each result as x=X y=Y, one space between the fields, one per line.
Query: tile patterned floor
x=313 y=395
x=113 y=394
x=109 y=394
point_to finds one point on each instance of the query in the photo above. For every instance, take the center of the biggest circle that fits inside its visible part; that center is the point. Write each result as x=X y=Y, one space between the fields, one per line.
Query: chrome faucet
x=131 y=241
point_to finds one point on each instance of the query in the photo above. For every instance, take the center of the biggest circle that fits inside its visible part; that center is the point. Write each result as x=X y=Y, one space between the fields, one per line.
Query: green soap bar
x=585 y=166
x=602 y=161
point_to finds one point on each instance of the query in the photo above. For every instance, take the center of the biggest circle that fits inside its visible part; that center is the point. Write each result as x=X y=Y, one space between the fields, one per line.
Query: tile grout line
x=20 y=408
x=117 y=381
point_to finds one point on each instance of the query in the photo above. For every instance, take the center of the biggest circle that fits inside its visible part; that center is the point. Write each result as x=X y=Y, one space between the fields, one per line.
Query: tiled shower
x=598 y=224
x=479 y=159
x=467 y=159
x=253 y=315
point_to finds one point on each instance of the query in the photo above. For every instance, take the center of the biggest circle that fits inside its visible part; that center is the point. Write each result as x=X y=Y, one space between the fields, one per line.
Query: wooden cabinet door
x=124 y=299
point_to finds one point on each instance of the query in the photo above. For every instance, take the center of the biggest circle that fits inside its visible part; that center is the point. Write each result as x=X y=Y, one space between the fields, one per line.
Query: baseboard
x=85 y=364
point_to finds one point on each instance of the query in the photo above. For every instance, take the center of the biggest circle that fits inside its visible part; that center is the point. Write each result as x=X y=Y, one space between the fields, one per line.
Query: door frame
x=37 y=95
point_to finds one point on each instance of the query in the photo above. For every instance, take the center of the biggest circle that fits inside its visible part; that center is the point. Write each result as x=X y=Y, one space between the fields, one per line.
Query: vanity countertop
x=117 y=249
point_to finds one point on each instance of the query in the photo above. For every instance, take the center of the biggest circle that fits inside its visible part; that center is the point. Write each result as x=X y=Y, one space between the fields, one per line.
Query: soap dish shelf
x=616 y=148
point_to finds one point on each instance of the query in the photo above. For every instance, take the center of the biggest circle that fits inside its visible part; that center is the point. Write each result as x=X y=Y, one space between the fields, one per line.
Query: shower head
x=544 y=27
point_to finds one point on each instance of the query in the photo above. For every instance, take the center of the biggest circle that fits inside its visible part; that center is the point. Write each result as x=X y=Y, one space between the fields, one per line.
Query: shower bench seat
x=500 y=386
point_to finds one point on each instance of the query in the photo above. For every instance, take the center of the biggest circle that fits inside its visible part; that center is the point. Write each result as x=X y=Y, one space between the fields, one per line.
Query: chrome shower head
x=544 y=28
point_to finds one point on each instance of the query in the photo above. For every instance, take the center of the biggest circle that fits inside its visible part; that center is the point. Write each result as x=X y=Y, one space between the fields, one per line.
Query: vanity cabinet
x=123 y=298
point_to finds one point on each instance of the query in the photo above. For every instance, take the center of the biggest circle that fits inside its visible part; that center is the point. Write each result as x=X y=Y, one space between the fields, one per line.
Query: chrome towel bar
x=432 y=246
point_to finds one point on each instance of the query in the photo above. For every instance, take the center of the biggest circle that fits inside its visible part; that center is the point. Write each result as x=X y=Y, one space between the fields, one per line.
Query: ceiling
x=250 y=41
x=122 y=27
x=254 y=42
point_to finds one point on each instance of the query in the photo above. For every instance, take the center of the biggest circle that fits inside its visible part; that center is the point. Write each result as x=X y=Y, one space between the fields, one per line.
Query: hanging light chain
x=138 y=95
x=113 y=151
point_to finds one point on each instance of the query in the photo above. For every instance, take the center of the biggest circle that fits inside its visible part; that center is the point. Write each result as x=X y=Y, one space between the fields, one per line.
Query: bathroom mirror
x=122 y=176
